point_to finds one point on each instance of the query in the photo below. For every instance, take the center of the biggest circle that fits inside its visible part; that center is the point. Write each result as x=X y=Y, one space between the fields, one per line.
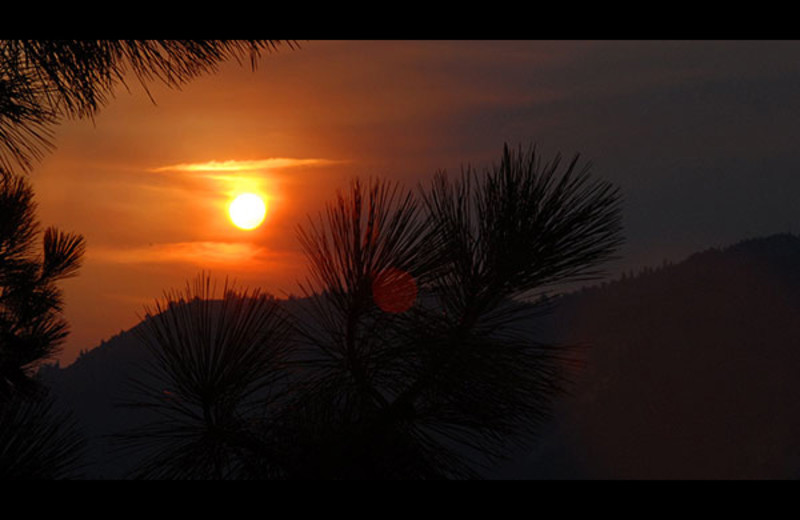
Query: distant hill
x=690 y=371
x=92 y=387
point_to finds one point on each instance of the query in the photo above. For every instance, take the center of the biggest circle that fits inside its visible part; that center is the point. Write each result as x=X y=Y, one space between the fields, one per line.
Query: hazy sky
x=701 y=136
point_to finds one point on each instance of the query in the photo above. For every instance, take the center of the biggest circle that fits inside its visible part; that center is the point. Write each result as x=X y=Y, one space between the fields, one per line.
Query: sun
x=247 y=211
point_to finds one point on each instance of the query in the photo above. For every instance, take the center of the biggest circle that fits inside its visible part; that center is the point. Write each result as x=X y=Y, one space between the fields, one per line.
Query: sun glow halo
x=247 y=211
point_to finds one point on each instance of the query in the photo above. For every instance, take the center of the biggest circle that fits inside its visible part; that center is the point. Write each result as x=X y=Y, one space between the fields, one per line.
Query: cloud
x=230 y=255
x=243 y=166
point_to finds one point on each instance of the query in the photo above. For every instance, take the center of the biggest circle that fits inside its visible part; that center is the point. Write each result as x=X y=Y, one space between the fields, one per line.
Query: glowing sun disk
x=247 y=211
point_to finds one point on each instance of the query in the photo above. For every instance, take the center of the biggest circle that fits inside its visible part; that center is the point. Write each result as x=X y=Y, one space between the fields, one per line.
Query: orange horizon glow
x=213 y=254
x=149 y=186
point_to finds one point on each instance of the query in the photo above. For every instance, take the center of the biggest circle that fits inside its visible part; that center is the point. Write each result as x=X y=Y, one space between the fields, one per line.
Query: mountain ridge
x=689 y=373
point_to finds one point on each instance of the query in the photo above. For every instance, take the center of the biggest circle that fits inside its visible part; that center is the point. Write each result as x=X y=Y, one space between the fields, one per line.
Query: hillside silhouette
x=689 y=371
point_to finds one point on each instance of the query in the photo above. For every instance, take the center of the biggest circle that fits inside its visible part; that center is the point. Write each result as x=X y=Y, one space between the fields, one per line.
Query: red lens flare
x=394 y=290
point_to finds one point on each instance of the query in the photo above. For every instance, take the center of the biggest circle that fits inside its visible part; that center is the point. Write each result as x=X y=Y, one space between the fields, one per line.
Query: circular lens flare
x=394 y=290
x=247 y=211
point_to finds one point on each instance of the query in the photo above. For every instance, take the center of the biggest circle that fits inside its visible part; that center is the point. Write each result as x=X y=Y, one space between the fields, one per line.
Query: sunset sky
x=700 y=135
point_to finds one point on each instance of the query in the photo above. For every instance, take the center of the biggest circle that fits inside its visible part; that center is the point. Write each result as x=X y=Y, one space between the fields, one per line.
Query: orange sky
x=699 y=135
x=148 y=185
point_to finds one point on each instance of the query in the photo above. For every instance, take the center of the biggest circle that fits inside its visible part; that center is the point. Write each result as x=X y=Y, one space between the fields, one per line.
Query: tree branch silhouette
x=41 y=83
x=44 y=81
x=31 y=325
x=451 y=376
x=35 y=441
x=215 y=368
x=409 y=355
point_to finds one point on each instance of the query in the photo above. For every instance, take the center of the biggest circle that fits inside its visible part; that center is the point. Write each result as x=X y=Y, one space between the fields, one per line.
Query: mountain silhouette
x=92 y=387
x=692 y=369
x=689 y=371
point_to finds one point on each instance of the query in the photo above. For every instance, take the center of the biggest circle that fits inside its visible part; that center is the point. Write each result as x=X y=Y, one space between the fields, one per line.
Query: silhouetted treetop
x=35 y=441
x=42 y=81
x=520 y=226
x=31 y=324
x=403 y=360
x=214 y=362
x=407 y=394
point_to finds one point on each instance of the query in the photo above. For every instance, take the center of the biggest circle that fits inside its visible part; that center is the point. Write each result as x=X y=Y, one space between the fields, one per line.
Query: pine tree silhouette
x=216 y=365
x=41 y=83
x=44 y=81
x=406 y=361
x=35 y=442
